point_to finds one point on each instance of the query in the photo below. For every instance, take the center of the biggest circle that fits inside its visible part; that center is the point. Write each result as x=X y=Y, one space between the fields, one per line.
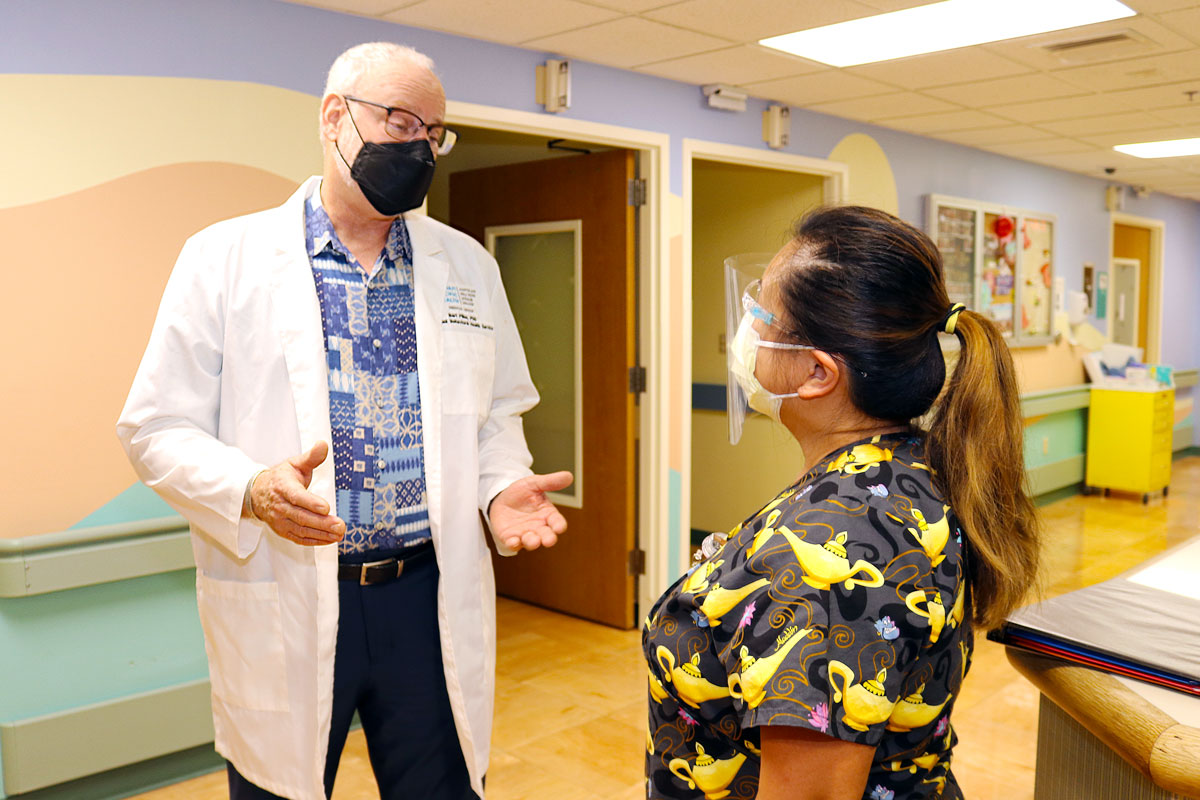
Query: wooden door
x=1133 y=241
x=555 y=205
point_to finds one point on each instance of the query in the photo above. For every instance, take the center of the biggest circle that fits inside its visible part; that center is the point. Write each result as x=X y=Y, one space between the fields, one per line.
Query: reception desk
x=1106 y=737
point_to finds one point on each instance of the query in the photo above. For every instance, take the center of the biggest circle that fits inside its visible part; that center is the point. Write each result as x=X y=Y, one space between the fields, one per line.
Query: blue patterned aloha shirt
x=374 y=403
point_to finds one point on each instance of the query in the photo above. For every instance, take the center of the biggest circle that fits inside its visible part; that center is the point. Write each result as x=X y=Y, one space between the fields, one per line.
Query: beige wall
x=736 y=209
x=87 y=304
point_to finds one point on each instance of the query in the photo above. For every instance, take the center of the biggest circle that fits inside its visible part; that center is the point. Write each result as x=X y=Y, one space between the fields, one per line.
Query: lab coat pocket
x=468 y=368
x=243 y=632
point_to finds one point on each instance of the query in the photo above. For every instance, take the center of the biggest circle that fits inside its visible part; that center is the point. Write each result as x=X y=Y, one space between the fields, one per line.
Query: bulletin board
x=999 y=262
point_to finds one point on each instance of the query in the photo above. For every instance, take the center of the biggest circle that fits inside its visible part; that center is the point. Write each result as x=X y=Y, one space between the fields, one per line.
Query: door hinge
x=637 y=192
x=637 y=562
x=637 y=380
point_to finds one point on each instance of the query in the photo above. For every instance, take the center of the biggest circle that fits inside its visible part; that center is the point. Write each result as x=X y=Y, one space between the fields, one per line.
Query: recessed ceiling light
x=941 y=26
x=1167 y=149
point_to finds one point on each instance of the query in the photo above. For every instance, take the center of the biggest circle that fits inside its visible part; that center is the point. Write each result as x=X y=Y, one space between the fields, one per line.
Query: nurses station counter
x=1103 y=736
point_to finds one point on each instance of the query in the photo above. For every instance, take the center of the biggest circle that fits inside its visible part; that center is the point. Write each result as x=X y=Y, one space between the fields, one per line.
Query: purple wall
x=291 y=46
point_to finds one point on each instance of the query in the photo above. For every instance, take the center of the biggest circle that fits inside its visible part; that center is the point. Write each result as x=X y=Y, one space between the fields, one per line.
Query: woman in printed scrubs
x=818 y=653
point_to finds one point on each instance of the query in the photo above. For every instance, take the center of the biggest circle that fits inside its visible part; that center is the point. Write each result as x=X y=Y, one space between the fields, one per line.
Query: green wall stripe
x=136 y=778
x=1056 y=475
x=138 y=502
x=1186 y=377
x=69 y=568
x=71 y=649
x=1036 y=404
x=54 y=748
x=72 y=537
x=1181 y=438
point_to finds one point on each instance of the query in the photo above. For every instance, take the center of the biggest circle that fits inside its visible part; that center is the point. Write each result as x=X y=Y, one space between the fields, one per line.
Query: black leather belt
x=375 y=572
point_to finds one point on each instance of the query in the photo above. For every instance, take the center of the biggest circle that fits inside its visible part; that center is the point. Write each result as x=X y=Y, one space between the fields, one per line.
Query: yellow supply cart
x=1129 y=440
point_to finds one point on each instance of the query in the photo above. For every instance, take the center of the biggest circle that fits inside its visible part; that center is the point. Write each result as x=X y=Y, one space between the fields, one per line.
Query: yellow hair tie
x=951 y=318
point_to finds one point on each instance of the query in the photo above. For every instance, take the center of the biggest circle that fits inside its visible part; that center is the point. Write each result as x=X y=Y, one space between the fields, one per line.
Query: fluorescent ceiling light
x=941 y=26
x=1174 y=147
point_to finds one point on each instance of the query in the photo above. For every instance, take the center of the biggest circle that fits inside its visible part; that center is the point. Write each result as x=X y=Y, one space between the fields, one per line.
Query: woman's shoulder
x=877 y=494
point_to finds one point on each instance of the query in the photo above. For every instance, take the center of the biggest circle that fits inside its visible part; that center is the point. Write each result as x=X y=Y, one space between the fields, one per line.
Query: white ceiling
x=1013 y=97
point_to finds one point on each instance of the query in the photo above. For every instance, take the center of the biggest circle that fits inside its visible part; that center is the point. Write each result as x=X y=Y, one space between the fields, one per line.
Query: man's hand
x=523 y=518
x=279 y=497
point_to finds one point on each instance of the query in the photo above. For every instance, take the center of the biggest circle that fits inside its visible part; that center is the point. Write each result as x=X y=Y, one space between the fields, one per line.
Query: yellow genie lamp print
x=934 y=610
x=708 y=774
x=860 y=459
x=720 y=601
x=826 y=564
x=932 y=536
x=750 y=684
x=865 y=704
x=691 y=686
x=697 y=582
x=913 y=712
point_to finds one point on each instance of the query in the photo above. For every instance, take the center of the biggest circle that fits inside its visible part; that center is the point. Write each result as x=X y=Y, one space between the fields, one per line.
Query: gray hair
x=356 y=62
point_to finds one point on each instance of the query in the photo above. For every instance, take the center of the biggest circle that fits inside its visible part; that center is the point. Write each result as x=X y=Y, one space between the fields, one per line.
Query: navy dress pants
x=389 y=668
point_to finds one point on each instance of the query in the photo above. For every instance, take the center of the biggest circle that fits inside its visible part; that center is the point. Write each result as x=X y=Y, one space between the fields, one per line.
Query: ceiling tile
x=366 y=8
x=751 y=20
x=495 y=21
x=1093 y=162
x=1183 y=115
x=1031 y=50
x=1157 y=6
x=625 y=42
x=1023 y=88
x=1111 y=139
x=1063 y=108
x=937 y=69
x=737 y=65
x=1045 y=147
x=820 y=87
x=1186 y=22
x=945 y=121
x=884 y=105
x=897 y=5
x=1166 y=96
x=1134 y=73
x=631 y=6
x=1107 y=123
x=1001 y=134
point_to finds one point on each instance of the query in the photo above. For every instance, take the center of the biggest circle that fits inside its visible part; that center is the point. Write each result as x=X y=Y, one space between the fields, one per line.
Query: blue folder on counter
x=1120 y=626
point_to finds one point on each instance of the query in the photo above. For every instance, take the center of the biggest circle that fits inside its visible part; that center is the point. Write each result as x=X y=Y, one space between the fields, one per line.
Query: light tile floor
x=570 y=695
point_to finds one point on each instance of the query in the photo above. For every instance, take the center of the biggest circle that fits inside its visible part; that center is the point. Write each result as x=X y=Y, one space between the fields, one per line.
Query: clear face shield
x=740 y=272
x=743 y=392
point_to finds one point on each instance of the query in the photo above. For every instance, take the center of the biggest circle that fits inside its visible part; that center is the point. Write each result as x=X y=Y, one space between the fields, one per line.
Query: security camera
x=1109 y=170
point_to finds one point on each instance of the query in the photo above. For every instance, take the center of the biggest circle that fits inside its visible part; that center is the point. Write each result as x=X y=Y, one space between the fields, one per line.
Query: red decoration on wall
x=1004 y=227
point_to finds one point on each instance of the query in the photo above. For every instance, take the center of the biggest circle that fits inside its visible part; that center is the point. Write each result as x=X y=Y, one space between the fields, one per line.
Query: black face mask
x=394 y=176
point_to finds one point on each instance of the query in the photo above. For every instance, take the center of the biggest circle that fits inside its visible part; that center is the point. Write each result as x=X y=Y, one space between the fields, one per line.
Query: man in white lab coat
x=331 y=394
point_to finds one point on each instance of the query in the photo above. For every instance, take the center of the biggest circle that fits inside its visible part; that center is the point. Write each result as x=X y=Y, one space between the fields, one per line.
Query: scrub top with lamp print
x=840 y=607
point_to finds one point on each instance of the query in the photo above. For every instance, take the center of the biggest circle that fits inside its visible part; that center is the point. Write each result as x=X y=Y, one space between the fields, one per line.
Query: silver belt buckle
x=362 y=574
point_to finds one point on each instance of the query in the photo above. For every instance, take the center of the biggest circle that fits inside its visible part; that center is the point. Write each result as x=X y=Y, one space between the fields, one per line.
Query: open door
x=563 y=232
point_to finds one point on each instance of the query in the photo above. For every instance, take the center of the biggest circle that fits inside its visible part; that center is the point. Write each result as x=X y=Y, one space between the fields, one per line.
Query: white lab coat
x=234 y=379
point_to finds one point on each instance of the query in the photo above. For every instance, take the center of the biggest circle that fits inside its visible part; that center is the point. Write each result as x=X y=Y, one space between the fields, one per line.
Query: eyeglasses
x=405 y=126
x=753 y=308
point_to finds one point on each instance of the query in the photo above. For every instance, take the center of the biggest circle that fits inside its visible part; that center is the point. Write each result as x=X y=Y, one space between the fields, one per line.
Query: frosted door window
x=539 y=265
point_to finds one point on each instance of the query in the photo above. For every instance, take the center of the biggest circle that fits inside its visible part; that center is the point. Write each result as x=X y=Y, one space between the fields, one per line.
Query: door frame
x=1154 y=299
x=654 y=411
x=1110 y=316
x=836 y=177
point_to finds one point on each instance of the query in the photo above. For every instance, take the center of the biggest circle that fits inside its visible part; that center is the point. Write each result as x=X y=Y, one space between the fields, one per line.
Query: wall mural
x=103 y=183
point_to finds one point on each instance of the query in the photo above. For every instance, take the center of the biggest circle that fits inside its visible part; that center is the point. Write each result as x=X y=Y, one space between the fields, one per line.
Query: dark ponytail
x=868 y=287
